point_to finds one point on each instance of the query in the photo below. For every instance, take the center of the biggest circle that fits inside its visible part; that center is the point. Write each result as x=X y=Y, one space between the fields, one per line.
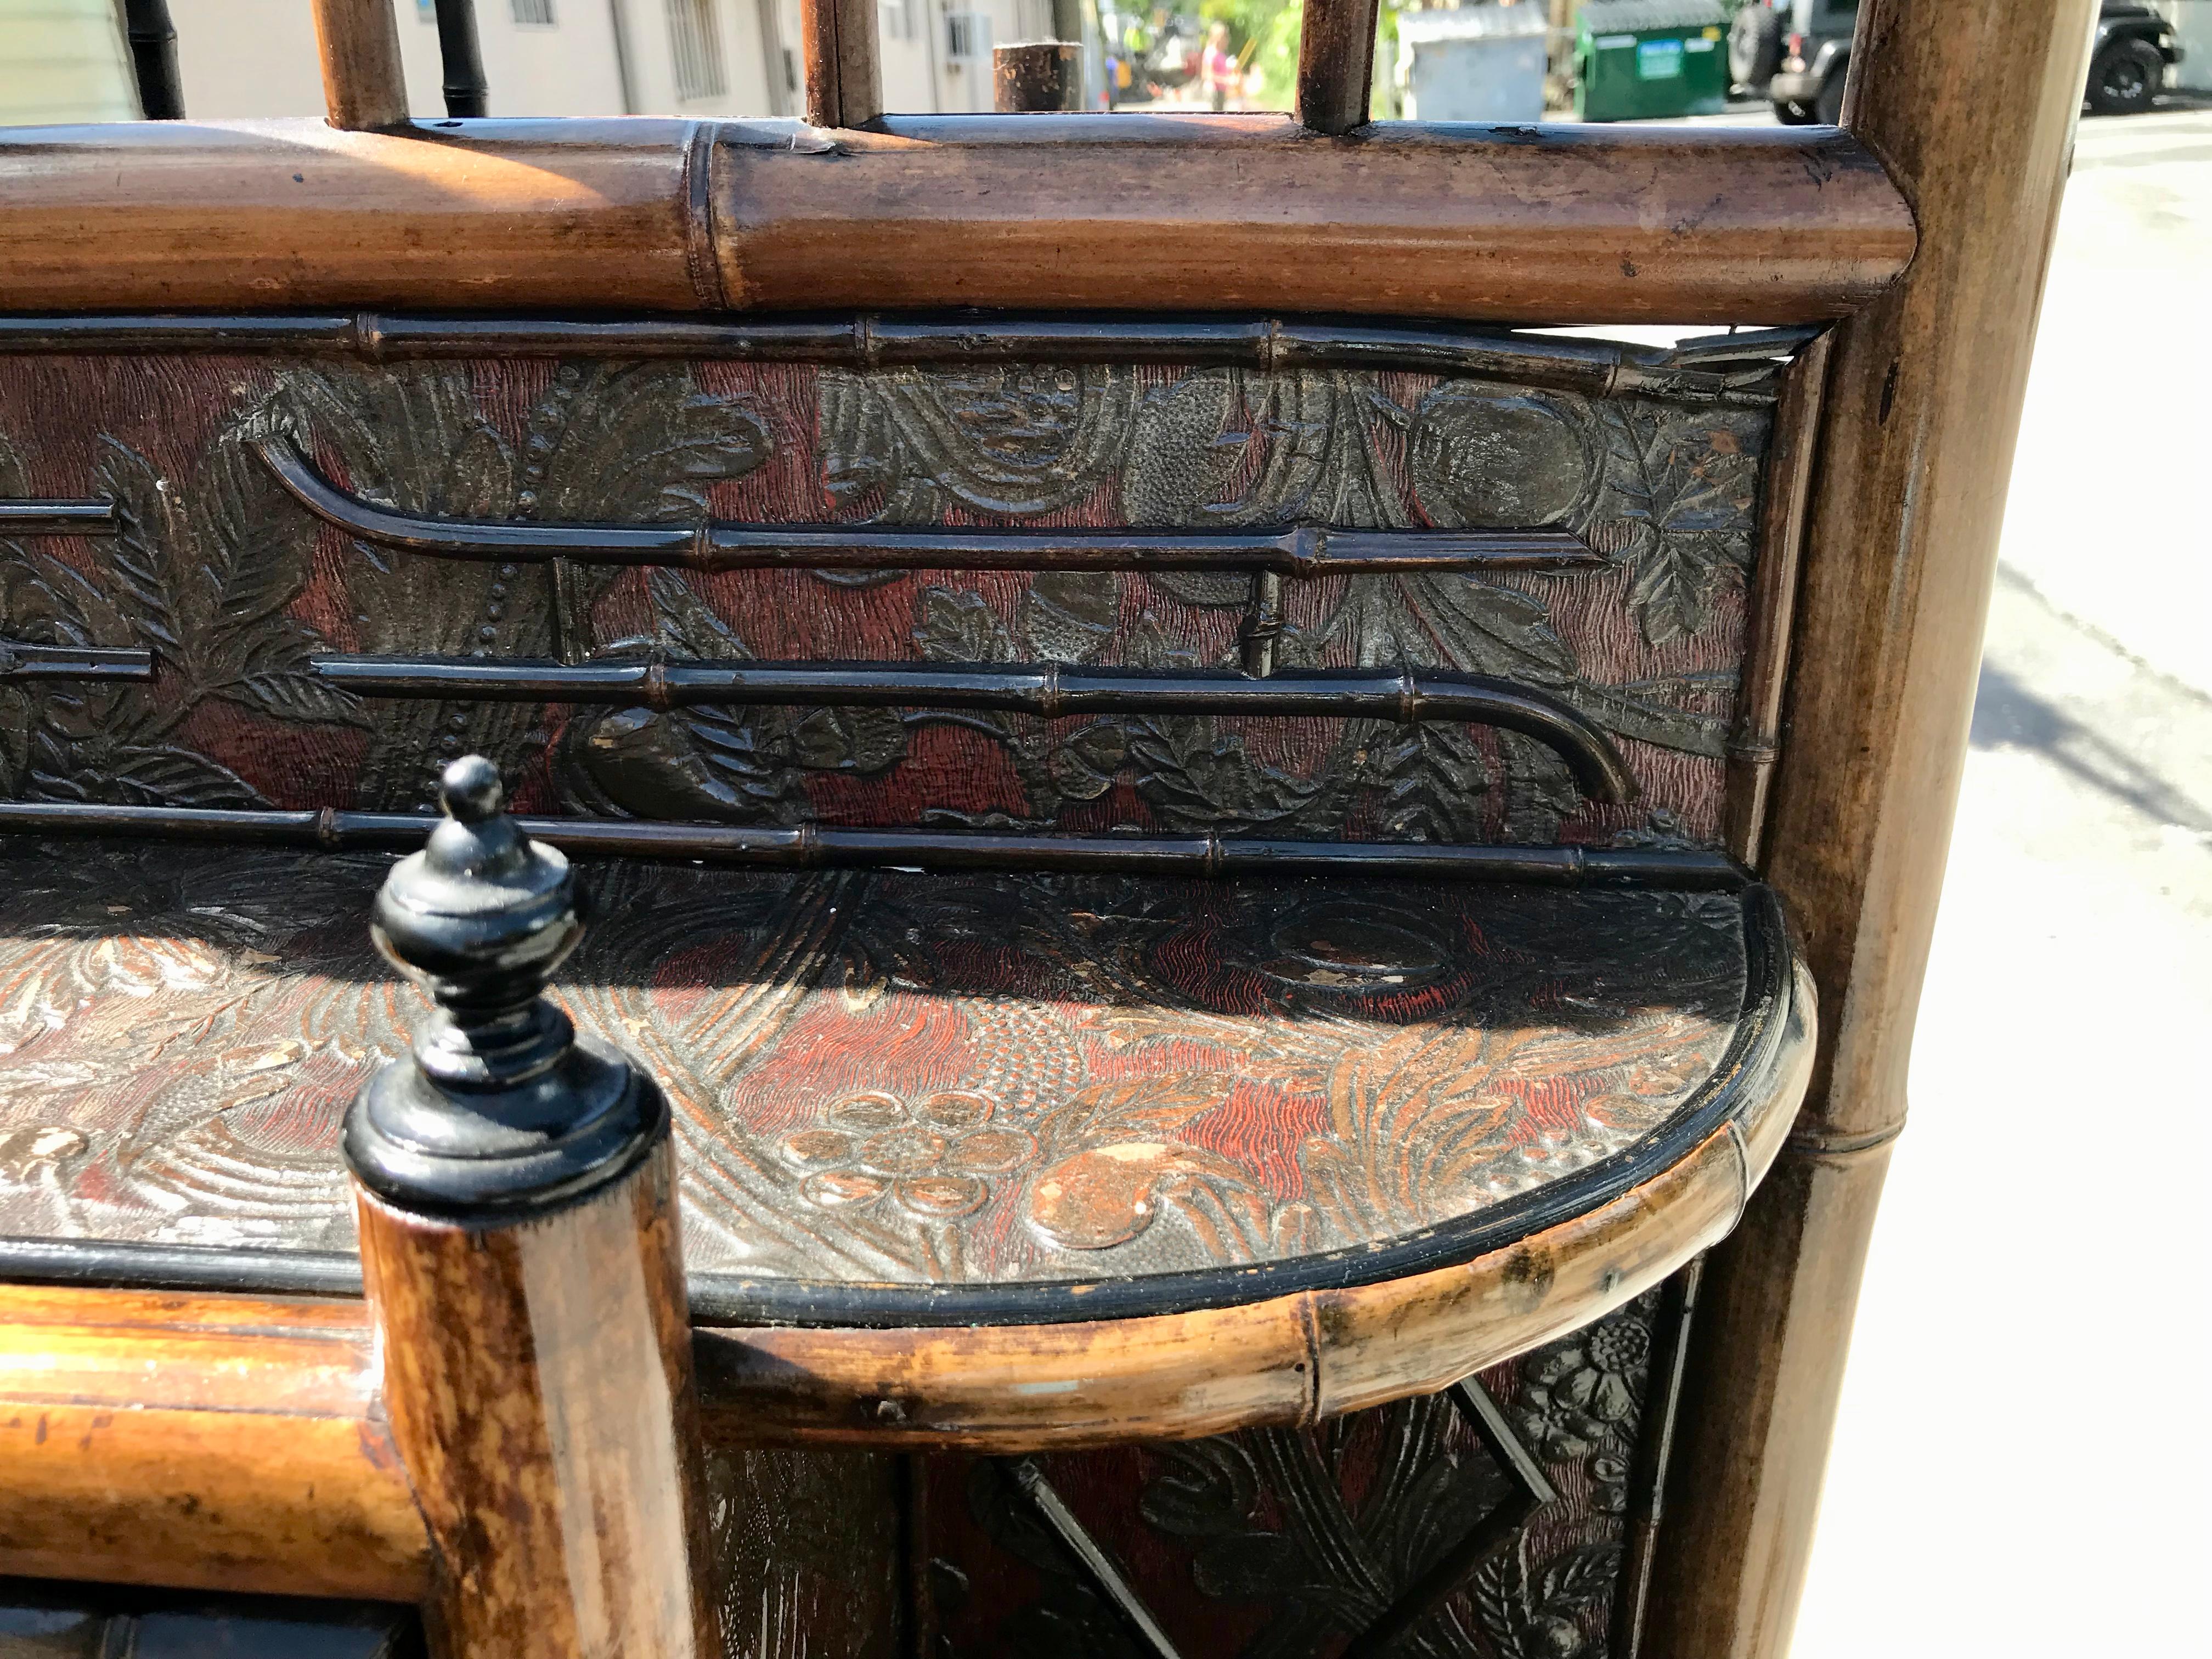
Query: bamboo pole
x=363 y=83
x=1336 y=64
x=1971 y=105
x=844 y=82
x=1132 y=212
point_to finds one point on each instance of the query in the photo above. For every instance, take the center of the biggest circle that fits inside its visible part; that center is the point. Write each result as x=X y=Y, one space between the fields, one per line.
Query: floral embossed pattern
x=1283 y=1543
x=234 y=588
x=893 y=1079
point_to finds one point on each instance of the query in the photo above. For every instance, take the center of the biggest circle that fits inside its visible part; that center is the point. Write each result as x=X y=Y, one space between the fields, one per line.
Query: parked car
x=2135 y=47
x=1816 y=54
x=1755 y=46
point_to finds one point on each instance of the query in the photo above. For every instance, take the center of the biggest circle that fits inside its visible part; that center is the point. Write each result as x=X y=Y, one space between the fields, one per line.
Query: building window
x=694 y=39
x=967 y=35
x=895 y=19
x=535 y=13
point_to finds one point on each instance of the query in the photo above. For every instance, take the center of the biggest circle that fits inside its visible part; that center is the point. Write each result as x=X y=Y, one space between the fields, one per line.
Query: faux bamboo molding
x=1736 y=370
x=1756 y=743
x=1158 y=212
x=203 y=1442
x=809 y=847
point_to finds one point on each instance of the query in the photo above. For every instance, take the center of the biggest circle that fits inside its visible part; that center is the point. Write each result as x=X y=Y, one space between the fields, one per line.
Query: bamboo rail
x=1153 y=212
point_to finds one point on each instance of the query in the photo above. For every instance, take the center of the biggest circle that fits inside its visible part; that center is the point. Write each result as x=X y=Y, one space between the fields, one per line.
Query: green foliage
x=1263 y=35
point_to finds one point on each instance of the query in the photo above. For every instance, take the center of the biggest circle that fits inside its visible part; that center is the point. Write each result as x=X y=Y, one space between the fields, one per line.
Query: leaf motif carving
x=1682 y=485
x=957 y=625
x=140 y=554
x=1068 y=616
x=1015 y=440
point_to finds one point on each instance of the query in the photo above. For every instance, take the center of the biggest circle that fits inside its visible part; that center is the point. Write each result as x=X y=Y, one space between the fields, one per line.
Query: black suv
x=2135 y=48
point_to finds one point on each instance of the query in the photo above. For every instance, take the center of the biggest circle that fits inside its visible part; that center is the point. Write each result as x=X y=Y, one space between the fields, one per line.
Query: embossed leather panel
x=233 y=585
x=882 y=1079
x=1281 y=1543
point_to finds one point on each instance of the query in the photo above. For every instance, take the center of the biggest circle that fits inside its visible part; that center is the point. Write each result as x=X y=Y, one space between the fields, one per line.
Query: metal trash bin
x=1649 y=60
x=1473 y=63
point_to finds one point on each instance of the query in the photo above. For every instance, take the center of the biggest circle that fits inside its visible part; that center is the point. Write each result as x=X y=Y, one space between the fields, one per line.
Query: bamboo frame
x=1336 y=64
x=1155 y=213
x=844 y=79
x=225 y=1442
x=363 y=82
x=1915 y=438
x=1971 y=107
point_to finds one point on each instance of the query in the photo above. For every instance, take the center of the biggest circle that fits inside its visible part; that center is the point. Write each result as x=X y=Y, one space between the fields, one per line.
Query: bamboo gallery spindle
x=518 y=1238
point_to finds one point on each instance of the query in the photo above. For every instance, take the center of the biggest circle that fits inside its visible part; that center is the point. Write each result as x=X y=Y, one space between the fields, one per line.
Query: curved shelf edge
x=268 y=1402
x=1309 y=1339
x=1300 y=1357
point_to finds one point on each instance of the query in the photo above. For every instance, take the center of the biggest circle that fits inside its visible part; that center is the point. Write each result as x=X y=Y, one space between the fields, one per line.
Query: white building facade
x=244 y=59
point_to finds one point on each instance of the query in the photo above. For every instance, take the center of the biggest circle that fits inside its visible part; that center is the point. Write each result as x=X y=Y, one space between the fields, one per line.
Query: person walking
x=1216 y=68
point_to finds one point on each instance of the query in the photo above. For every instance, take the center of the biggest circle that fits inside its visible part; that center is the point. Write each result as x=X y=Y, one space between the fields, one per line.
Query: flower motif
x=1586 y=1390
x=36 y=1149
x=934 y=1157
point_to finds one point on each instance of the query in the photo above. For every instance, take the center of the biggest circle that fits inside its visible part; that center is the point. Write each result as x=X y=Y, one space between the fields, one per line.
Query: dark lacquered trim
x=815 y=848
x=1731 y=367
x=21 y=661
x=1757 y=1056
x=123 y=1265
x=710 y=544
x=1047 y=690
x=23 y=517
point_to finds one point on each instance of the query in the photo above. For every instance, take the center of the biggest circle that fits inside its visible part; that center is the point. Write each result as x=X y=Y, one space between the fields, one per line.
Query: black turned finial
x=502 y=1105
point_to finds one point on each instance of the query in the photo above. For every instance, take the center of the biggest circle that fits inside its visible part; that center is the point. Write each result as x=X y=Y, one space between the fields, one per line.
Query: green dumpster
x=1647 y=59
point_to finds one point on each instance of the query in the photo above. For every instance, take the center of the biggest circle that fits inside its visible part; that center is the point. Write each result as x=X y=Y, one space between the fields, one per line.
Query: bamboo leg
x=1971 y=105
x=515 y=1189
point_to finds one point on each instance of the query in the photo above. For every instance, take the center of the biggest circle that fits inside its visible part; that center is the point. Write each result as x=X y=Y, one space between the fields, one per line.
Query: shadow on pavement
x=2010 y=714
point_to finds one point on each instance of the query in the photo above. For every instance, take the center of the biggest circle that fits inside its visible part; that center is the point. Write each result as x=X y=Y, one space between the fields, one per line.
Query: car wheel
x=1830 y=108
x=1754 y=48
x=1791 y=113
x=2125 y=78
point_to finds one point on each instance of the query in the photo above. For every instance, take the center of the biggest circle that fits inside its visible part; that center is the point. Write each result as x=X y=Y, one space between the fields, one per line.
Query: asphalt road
x=2019 y=1468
